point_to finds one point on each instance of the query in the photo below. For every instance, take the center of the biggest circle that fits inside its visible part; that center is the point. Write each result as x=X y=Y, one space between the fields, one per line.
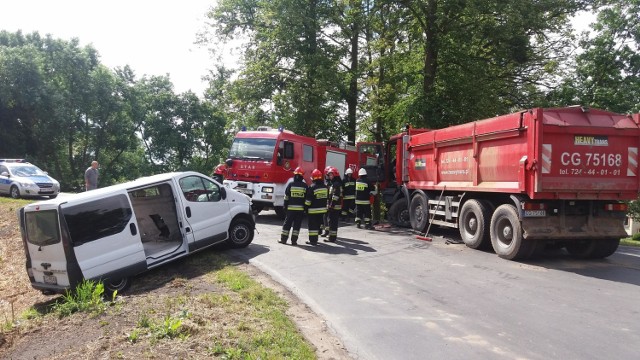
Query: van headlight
x=267 y=189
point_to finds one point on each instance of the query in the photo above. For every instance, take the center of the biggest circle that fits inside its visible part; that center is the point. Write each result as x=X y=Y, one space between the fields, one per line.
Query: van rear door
x=105 y=237
x=205 y=209
x=47 y=263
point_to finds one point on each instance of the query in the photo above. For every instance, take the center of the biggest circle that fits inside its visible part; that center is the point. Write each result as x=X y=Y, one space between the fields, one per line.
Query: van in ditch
x=113 y=233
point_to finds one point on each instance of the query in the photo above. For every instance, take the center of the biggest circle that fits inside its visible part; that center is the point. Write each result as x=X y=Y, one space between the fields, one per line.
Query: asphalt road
x=388 y=295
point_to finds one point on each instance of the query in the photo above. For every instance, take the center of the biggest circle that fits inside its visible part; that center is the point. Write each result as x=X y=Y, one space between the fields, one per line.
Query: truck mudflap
x=574 y=227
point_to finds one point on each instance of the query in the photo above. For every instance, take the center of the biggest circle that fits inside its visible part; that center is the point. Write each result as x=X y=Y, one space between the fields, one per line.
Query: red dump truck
x=522 y=181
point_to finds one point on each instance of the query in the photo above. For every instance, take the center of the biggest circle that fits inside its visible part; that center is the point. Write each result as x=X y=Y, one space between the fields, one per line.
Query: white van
x=113 y=233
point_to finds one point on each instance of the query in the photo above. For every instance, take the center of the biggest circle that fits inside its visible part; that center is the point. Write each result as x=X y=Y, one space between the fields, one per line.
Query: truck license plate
x=535 y=213
x=50 y=279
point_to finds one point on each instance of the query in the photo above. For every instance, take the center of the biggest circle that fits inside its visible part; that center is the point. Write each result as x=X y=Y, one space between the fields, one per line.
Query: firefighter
x=348 y=195
x=316 y=204
x=334 y=203
x=218 y=173
x=363 y=206
x=324 y=227
x=294 y=200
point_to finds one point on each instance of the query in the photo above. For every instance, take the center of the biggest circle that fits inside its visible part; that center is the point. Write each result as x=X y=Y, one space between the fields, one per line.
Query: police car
x=19 y=178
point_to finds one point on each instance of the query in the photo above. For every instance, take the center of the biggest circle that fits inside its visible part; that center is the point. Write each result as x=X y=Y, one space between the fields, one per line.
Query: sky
x=152 y=37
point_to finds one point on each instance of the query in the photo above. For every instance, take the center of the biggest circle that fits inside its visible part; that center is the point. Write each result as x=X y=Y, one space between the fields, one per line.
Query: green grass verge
x=630 y=242
x=271 y=334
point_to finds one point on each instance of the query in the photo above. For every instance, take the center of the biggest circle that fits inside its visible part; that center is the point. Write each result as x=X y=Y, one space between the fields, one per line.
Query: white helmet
x=362 y=172
x=348 y=171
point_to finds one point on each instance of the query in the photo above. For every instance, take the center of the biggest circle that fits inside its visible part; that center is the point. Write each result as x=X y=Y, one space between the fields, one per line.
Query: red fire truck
x=261 y=162
x=522 y=181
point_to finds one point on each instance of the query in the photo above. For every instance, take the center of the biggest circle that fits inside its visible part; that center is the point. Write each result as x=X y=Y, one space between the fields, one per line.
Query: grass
x=87 y=297
x=630 y=242
x=264 y=331
x=237 y=318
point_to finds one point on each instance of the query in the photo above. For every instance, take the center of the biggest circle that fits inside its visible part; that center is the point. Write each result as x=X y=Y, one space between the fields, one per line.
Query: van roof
x=101 y=192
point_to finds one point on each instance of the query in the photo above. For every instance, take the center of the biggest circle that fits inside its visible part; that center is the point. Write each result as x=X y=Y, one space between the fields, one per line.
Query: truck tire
x=506 y=234
x=419 y=212
x=399 y=213
x=240 y=233
x=474 y=224
x=593 y=249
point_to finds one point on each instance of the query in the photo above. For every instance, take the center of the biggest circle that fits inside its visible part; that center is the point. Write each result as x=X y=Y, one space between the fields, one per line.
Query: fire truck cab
x=261 y=162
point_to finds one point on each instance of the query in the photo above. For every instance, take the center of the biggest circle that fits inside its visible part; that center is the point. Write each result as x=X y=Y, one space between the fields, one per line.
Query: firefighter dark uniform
x=363 y=207
x=324 y=227
x=316 y=204
x=294 y=199
x=334 y=203
x=348 y=195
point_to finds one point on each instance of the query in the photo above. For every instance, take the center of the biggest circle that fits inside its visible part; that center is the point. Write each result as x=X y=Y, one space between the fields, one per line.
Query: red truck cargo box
x=563 y=153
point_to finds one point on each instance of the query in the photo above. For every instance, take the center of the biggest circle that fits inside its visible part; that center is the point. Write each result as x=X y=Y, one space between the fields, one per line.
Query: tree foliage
x=607 y=70
x=60 y=108
x=348 y=67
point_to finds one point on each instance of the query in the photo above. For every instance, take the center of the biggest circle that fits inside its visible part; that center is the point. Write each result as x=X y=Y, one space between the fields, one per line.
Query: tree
x=607 y=71
x=290 y=78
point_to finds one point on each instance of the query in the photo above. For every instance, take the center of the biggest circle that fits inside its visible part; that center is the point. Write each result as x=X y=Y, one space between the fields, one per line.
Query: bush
x=636 y=236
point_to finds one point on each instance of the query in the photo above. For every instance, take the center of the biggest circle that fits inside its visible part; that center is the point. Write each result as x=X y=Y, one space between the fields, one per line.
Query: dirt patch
x=179 y=290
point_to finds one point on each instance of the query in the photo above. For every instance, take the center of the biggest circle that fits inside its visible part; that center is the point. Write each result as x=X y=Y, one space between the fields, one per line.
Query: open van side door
x=105 y=237
x=205 y=209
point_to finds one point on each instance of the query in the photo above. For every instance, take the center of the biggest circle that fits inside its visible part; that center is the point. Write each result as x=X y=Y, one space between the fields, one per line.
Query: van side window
x=97 y=219
x=198 y=189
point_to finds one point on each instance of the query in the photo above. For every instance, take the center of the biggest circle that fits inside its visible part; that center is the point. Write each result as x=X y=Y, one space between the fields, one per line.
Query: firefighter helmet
x=334 y=171
x=348 y=171
x=327 y=170
x=219 y=169
x=298 y=171
x=362 y=172
x=316 y=174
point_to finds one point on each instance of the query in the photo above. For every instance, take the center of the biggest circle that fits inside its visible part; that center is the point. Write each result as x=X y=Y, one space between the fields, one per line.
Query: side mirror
x=223 y=193
x=4 y=173
x=279 y=157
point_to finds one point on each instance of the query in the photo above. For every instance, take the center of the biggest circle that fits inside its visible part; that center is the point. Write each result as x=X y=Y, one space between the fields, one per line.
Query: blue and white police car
x=19 y=178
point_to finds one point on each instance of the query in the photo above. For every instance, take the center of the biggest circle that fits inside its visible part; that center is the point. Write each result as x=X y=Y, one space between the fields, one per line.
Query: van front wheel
x=119 y=285
x=240 y=233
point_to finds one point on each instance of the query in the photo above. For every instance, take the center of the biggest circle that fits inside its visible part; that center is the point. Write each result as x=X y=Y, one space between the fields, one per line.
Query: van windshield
x=252 y=148
x=42 y=227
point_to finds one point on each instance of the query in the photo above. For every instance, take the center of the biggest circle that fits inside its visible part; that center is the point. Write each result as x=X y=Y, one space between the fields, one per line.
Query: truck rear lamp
x=616 y=207
x=267 y=189
x=535 y=206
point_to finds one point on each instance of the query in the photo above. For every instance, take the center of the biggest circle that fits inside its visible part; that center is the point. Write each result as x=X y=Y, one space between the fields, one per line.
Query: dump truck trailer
x=523 y=181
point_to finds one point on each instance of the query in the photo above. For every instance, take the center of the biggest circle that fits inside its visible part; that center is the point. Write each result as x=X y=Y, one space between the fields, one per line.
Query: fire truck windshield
x=252 y=149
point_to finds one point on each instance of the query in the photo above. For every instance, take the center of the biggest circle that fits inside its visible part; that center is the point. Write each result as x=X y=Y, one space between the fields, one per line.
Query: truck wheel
x=240 y=233
x=475 y=221
x=119 y=285
x=280 y=212
x=14 y=192
x=399 y=213
x=419 y=213
x=593 y=249
x=581 y=249
x=606 y=247
x=506 y=234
